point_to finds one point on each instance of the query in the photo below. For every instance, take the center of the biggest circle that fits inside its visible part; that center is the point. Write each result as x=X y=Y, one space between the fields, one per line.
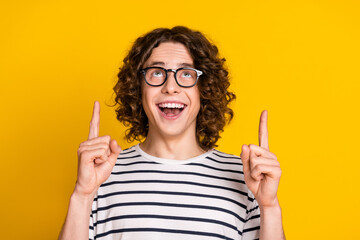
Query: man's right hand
x=96 y=158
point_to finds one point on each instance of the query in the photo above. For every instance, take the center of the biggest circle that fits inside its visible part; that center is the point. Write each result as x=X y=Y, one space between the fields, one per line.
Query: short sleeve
x=92 y=220
x=91 y=228
x=251 y=228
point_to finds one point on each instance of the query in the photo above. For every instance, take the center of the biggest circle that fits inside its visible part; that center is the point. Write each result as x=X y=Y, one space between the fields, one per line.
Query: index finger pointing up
x=95 y=121
x=263 y=131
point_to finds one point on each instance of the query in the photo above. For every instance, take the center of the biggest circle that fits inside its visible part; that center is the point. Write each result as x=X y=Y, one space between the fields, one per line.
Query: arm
x=262 y=174
x=97 y=156
x=76 y=224
x=271 y=223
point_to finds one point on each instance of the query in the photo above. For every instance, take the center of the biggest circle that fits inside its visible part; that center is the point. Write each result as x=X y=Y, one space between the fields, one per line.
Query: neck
x=171 y=147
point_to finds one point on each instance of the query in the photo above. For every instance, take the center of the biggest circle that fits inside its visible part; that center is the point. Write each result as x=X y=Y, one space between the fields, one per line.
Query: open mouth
x=171 y=109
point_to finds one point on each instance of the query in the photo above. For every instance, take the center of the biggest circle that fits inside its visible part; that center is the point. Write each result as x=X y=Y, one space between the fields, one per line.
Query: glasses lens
x=155 y=76
x=186 y=77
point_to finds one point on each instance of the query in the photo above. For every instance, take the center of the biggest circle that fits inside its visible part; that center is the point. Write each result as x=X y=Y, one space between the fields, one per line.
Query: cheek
x=147 y=96
x=144 y=99
x=196 y=99
x=197 y=95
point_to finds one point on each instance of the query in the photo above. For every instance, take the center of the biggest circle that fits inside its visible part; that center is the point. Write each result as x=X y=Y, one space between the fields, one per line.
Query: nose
x=170 y=86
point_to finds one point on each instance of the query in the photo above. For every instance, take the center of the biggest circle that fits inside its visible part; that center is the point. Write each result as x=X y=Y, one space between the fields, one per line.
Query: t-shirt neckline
x=171 y=161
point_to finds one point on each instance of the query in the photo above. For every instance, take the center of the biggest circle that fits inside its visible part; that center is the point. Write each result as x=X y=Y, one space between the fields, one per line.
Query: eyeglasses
x=184 y=77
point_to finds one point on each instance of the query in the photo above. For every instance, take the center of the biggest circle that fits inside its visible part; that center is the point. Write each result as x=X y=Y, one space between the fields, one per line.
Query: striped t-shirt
x=150 y=198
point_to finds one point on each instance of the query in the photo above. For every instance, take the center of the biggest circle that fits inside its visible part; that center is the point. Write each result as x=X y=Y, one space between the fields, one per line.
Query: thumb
x=115 y=151
x=245 y=156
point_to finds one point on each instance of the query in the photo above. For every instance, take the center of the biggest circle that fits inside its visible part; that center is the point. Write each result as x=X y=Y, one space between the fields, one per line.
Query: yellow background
x=297 y=59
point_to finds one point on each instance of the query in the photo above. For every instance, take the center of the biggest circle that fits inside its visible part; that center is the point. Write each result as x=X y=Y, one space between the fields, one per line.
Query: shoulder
x=128 y=151
x=128 y=155
x=224 y=154
x=225 y=157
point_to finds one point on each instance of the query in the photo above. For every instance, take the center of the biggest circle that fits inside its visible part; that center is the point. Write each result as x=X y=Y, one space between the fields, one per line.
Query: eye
x=157 y=73
x=186 y=74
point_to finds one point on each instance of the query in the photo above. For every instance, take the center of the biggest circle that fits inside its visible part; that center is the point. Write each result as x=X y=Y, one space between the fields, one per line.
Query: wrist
x=273 y=208
x=271 y=222
x=76 y=225
x=81 y=197
x=81 y=203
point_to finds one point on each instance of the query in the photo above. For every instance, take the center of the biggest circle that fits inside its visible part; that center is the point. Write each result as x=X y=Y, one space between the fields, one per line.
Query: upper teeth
x=171 y=105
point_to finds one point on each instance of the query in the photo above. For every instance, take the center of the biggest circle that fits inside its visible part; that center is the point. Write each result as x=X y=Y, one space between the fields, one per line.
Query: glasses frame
x=144 y=70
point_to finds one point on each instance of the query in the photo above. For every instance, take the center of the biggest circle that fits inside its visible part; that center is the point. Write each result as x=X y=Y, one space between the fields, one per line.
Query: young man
x=172 y=91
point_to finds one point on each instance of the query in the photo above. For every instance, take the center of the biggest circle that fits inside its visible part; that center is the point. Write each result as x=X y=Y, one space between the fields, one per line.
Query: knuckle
x=107 y=138
x=277 y=163
x=254 y=175
x=277 y=172
x=252 y=147
x=79 y=151
x=102 y=152
x=84 y=154
x=101 y=145
x=254 y=160
x=258 y=168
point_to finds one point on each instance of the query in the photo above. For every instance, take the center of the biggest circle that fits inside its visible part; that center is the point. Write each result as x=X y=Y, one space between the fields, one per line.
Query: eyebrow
x=163 y=64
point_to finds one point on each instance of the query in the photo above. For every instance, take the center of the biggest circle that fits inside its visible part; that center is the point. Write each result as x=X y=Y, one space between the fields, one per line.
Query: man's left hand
x=261 y=169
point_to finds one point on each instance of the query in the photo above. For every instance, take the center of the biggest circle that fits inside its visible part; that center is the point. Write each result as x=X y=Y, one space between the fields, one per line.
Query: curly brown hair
x=213 y=85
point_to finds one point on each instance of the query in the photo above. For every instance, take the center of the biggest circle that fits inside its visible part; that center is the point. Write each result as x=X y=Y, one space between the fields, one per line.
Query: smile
x=171 y=110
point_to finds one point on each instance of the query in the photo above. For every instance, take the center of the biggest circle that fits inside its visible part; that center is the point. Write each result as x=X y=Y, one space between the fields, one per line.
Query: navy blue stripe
x=124 y=153
x=176 y=173
x=230 y=157
x=163 y=231
x=172 y=193
x=136 y=156
x=251 y=229
x=232 y=163
x=253 y=209
x=251 y=199
x=169 y=205
x=169 y=218
x=175 y=182
x=134 y=163
x=255 y=216
x=214 y=168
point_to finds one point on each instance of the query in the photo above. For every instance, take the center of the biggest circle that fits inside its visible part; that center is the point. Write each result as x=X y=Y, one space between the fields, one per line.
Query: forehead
x=170 y=53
